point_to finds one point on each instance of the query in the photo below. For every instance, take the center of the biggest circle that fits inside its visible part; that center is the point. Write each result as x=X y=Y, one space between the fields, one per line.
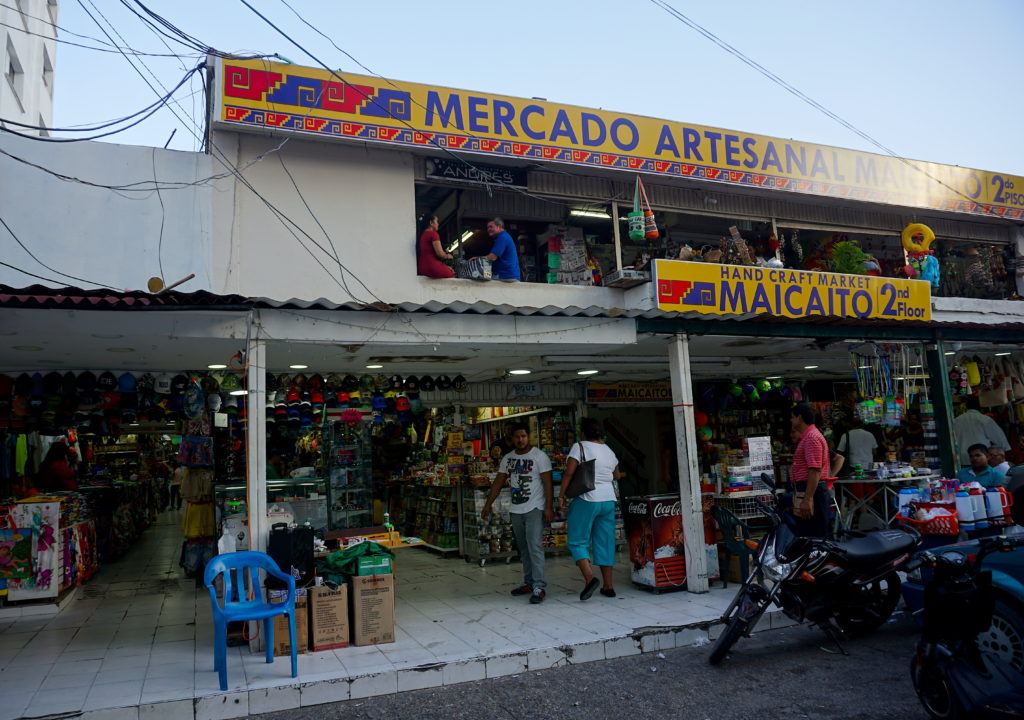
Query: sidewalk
x=136 y=643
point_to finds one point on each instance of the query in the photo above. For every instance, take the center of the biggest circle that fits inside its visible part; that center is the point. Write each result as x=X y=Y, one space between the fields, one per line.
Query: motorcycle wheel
x=1005 y=637
x=877 y=601
x=733 y=631
x=934 y=692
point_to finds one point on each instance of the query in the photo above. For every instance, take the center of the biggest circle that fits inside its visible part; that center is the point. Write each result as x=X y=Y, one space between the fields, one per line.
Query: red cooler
x=654 y=530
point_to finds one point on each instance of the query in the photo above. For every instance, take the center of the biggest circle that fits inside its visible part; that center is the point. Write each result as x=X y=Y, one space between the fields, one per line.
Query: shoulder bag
x=583 y=479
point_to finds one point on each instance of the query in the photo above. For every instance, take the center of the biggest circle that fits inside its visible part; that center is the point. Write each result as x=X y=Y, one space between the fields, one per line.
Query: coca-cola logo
x=638 y=508
x=661 y=510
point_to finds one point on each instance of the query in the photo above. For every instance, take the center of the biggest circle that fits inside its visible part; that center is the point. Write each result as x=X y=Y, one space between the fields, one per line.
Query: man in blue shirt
x=979 y=471
x=503 y=256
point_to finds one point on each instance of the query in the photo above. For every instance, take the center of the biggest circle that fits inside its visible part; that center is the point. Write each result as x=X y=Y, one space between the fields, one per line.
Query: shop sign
x=475 y=174
x=272 y=97
x=523 y=390
x=629 y=392
x=712 y=289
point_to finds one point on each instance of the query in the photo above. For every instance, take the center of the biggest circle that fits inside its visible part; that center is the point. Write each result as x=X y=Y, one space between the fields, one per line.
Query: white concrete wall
x=32 y=99
x=365 y=199
x=109 y=237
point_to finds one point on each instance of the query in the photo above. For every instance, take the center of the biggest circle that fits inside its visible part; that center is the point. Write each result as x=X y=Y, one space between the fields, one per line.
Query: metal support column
x=942 y=401
x=689 y=470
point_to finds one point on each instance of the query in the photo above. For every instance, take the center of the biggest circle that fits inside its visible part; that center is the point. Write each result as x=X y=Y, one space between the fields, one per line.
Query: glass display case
x=348 y=467
x=298 y=500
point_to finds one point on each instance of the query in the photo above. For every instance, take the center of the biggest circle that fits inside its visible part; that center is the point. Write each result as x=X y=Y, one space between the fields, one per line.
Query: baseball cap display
x=231 y=382
x=86 y=382
x=395 y=382
x=162 y=384
x=52 y=383
x=316 y=383
x=179 y=383
x=444 y=383
x=460 y=384
x=412 y=384
x=350 y=383
x=127 y=383
x=426 y=383
x=107 y=381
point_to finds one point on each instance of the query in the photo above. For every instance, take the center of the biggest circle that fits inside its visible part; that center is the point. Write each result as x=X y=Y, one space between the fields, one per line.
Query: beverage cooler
x=654 y=531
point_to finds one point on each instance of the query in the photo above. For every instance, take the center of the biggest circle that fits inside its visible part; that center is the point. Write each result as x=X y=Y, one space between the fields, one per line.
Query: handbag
x=583 y=479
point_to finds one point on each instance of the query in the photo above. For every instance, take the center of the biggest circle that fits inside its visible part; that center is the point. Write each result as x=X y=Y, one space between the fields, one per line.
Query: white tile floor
x=138 y=637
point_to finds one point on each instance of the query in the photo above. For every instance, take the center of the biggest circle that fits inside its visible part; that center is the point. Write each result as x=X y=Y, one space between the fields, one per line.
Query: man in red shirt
x=810 y=465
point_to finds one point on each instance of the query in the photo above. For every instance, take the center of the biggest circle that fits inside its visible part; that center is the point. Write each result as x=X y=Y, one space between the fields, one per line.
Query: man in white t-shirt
x=858 y=446
x=527 y=470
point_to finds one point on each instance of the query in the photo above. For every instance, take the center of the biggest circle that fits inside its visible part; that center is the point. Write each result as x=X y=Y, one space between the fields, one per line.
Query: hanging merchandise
x=917 y=240
x=650 y=226
x=742 y=252
x=636 y=217
x=958 y=382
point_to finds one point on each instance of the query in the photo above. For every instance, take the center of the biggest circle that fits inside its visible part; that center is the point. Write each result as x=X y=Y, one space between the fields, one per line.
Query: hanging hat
x=444 y=382
x=179 y=383
x=316 y=383
x=350 y=383
x=231 y=381
x=162 y=385
x=299 y=381
x=85 y=381
x=332 y=383
x=402 y=404
x=366 y=382
x=342 y=398
x=460 y=384
x=52 y=383
x=412 y=384
x=209 y=384
x=426 y=383
x=68 y=386
x=395 y=382
x=213 y=402
x=107 y=382
x=378 y=402
x=127 y=383
x=415 y=404
x=381 y=382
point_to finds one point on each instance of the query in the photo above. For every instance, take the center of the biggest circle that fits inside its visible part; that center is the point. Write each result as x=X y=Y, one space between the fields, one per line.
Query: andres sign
x=475 y=174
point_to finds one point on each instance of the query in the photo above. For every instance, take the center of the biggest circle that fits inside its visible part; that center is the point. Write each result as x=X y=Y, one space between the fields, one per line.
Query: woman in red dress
x=430 y=254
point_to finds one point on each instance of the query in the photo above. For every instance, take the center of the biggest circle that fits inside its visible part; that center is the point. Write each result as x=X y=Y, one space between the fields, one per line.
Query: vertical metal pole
x=616 y=236
x=942 y=401
x=689 y=470
x=256 y=443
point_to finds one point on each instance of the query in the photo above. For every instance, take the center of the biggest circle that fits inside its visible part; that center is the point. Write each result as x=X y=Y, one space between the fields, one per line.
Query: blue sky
x=935 y=81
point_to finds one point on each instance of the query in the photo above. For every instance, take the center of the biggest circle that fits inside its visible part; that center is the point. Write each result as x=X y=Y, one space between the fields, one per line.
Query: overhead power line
x=694 y=25
x=51 y=269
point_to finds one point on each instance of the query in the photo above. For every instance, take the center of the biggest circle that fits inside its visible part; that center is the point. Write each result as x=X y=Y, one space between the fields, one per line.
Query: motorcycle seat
x=877 y=547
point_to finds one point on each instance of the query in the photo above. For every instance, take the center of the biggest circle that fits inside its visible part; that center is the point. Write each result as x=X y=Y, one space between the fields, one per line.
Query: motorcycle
x=847 y=586
x=952 y=677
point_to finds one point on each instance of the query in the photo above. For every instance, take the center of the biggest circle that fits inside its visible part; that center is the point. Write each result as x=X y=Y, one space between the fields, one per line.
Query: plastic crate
x=945 y=525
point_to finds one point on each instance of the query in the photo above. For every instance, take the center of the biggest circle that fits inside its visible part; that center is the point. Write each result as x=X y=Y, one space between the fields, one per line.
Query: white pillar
x=689 y=470
x=256 y=444
x=616 y=236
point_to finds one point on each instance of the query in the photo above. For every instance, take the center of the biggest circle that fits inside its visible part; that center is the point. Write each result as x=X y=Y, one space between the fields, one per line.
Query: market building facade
x=300 y=227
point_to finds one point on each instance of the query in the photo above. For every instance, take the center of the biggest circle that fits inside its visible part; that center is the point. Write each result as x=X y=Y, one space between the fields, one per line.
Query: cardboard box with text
x=282 y=643
x=328 y=614
x=373 y=609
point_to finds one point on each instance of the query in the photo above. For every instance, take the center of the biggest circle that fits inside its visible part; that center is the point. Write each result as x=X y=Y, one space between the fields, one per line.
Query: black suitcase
x=292 y=550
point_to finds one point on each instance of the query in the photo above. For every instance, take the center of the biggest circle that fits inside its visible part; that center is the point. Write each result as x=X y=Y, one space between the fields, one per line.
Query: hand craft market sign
x=712 y=289
x=629 y=392
x=263 y=96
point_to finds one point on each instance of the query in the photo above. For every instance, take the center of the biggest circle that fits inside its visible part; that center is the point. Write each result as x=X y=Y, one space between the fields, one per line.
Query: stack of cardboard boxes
x=327 y=618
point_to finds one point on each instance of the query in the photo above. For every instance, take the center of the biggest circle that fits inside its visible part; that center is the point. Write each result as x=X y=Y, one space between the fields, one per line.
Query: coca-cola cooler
x=654 y=531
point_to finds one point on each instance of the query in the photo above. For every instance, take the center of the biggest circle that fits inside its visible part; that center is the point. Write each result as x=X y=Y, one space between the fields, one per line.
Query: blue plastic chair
x=237 y=607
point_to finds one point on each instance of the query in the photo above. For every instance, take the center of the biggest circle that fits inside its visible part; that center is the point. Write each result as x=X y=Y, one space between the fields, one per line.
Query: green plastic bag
x=342 y=564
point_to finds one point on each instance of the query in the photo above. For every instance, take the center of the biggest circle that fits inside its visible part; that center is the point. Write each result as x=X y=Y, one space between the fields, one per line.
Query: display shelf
x=349 y=475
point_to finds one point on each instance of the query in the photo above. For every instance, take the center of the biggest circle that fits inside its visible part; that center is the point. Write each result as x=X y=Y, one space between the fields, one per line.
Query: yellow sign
x=629 y=392
x=269 y=97
x=712 y=289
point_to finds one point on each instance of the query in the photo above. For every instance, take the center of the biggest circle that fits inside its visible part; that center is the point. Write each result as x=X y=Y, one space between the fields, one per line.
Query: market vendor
x=980 y=471
x=55 y=472
x=503 y=255
x=811 y=496
x=430 y=255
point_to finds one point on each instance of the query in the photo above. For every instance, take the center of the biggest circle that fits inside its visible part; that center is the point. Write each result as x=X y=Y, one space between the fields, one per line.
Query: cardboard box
x=282 y=642
x=373 y=609
x=328 y=616
x=374 y=565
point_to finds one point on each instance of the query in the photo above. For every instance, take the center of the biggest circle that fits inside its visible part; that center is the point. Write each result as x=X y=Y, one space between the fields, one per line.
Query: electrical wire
x=163 y=216
x=51 y=269
x=694 y=25
x=61 y=41
x=31 y=274
x=384 y=109
x=110 y=123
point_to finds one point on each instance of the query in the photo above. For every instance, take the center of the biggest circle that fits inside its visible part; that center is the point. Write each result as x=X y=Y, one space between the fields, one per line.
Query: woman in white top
x=591 y=515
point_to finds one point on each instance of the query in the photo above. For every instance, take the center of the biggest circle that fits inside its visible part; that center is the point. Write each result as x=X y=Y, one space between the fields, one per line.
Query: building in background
x=28 y=29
